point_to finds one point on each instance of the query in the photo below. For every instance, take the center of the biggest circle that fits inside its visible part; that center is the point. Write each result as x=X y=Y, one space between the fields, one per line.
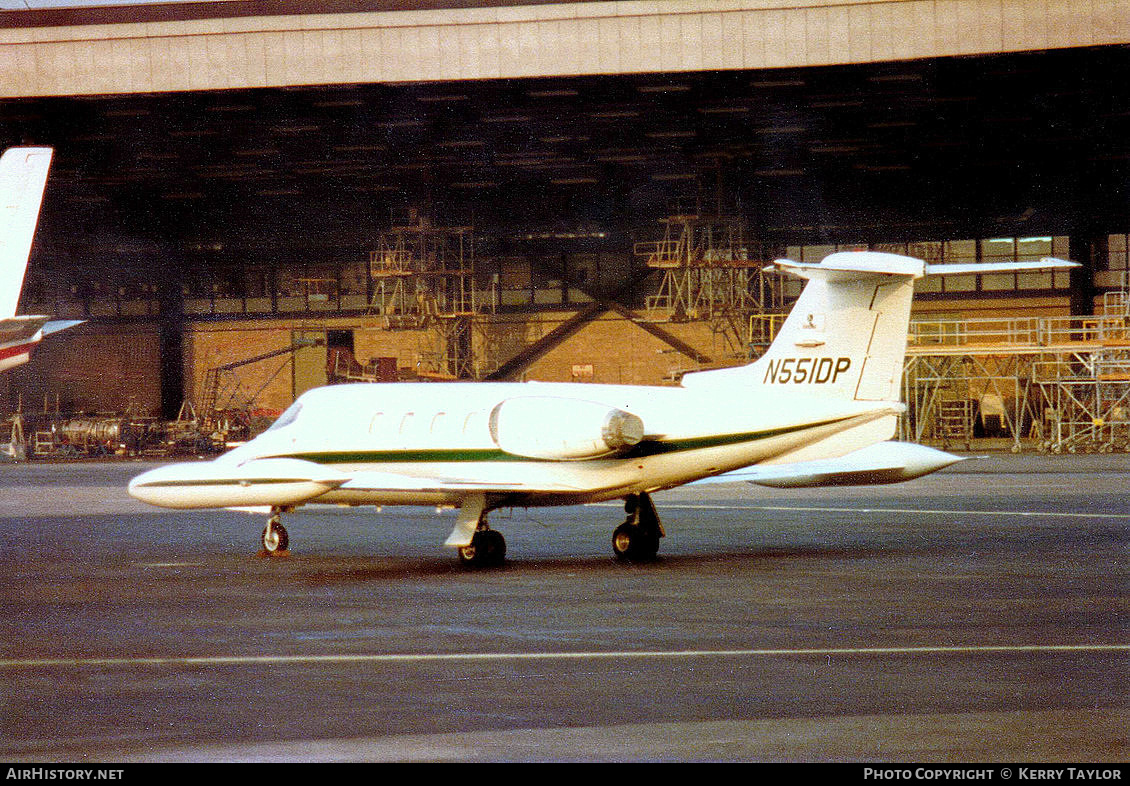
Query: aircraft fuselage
x=450 y=438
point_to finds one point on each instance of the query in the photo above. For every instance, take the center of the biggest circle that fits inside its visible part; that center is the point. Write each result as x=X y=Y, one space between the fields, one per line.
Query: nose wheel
x=275 y=540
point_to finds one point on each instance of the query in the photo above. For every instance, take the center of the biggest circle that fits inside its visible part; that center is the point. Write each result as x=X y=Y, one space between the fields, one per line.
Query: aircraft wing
x=389 y=481
x=886 y=462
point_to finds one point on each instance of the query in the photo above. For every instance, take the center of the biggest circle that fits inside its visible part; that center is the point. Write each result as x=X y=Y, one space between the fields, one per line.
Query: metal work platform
x=1059 y=384
x=711 y=272
x=424 y=279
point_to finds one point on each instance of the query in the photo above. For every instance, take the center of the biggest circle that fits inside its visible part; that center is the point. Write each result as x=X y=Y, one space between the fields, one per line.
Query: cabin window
x=438 y=422
x=406 y=422
x=474 y=423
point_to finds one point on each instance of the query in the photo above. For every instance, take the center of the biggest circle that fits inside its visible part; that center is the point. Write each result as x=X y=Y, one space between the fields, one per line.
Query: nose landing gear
x=275 y=540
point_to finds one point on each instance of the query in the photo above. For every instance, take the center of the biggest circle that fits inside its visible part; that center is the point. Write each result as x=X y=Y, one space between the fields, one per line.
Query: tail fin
x=846 y=335
x=23 y=177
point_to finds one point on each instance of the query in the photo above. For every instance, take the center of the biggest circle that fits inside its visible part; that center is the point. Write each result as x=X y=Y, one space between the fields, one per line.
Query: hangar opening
x=606 y=227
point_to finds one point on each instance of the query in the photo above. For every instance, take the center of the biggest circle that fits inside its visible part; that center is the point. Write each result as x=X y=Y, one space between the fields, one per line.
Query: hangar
x=252 y=198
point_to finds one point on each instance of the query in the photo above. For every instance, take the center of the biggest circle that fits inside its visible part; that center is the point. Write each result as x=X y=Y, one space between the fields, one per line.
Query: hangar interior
x=231 y=248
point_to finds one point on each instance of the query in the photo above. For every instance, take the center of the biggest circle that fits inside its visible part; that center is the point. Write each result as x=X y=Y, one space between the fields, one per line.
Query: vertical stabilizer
x=23 y=177
x=845 y=337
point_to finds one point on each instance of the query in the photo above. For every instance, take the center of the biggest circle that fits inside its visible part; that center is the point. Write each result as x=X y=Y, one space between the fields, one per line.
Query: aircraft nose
x=215 y=484
x=139 y=487
x=164 y=485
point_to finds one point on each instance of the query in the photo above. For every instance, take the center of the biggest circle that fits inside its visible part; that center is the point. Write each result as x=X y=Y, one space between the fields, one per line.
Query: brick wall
x=89 y=368
x=614 y=350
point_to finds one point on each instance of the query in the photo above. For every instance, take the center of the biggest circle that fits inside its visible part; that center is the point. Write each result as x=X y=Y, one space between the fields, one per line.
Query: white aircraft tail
x=846 y=335
x=23 y=177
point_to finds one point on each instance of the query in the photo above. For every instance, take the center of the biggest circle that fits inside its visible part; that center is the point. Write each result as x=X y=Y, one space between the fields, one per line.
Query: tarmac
x=976 y=615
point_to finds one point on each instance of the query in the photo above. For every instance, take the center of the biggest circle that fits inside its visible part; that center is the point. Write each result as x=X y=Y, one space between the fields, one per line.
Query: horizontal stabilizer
x=1047 y=263
x=884 y=463
x=847 y=266
x=20 y=329
x=20 y=335
x=55 y=325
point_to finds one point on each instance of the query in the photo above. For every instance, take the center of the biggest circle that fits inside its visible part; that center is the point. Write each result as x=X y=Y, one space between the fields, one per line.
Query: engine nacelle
x=543 y=427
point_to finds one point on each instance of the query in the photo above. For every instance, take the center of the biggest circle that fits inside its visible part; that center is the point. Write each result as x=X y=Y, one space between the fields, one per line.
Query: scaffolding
x=223 y=396
x=1086 y=401
x=953 y=398
x=710 y=272
x=1056 y=383
x=423 y=278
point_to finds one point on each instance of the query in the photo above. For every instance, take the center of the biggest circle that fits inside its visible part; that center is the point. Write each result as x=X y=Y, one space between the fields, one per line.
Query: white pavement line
x=238 y=660
x=901 y=511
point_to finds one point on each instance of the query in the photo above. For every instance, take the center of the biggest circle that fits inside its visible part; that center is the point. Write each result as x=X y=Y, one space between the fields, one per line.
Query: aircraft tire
x=631 y=543
x=486 y=550
x=275 y=539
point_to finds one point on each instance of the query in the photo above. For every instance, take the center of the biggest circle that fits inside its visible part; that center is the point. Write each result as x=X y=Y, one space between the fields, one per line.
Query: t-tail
x=845 y=338
x=846 y=335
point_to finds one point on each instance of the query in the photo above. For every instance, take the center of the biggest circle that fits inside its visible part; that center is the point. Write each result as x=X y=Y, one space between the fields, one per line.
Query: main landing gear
x=477 y=544
x=275 y=540
x=487 y=548
x=637 y=539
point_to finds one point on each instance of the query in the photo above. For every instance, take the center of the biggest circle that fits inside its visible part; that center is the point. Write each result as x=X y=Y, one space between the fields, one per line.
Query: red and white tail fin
x=23 y=178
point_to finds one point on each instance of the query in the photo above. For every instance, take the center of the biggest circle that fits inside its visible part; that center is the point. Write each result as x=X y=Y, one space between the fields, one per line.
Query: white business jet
x=816 y=409
x=23 y=177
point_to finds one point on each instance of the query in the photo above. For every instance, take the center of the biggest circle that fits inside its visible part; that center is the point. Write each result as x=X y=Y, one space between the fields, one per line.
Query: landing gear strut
x=637 y=539
x=275 y=540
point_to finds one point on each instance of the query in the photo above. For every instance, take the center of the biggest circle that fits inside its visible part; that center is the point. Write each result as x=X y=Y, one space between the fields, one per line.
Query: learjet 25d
x=818 y=408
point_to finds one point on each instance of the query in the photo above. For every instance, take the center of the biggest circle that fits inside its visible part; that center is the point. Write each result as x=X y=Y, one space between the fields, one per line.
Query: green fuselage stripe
x=642 y=450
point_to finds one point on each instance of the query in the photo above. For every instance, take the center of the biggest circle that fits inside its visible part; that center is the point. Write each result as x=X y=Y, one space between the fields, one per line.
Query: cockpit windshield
x=287 y=417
